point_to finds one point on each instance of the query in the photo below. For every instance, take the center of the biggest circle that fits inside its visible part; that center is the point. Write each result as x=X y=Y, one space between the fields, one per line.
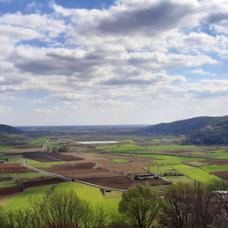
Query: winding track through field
x=44 y=146
x=23 y=164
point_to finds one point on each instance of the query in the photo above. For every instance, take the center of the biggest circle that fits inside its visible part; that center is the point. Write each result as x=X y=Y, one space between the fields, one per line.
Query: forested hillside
x=182 y=127
x=10 y=130
x=214 y=133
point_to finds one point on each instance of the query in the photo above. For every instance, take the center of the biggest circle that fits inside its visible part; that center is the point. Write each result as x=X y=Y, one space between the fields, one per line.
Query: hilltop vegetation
x=200 y=130
x=11 y=136
x=214 y=133
x=182 y=127
x=9 y=130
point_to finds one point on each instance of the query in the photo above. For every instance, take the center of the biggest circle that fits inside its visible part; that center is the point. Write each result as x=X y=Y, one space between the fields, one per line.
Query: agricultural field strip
x=45 y=145
x=67 y=178
x=212 y=168
x=194 y=151
x=3 y=148
x=135 y=148
x=178 y=179
x=37 y=142
x=142 y=152
x=90 y=194
x=22 y=175
x=4 y=184
x=168 y=163
x=11 y=159
x=31 y=162
x=171 y=162
x=120 y=160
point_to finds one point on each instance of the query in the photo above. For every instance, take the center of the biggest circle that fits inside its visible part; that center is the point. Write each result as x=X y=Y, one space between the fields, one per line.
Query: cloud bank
x=133 y=62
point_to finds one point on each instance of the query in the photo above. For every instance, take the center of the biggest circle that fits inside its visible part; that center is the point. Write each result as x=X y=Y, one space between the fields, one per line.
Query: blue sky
x=112 y=62
x=28 y=6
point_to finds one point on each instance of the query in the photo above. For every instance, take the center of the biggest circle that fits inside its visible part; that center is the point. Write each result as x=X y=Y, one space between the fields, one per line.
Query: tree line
x=181 y=206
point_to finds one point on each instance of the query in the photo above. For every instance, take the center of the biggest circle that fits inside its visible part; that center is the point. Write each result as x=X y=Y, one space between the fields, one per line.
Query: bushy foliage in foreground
x=182 y=206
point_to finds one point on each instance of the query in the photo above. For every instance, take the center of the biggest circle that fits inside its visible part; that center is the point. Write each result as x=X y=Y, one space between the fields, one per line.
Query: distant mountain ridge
x=199 y=130
x=9 y=130
x=214 y=133
x=181 y=127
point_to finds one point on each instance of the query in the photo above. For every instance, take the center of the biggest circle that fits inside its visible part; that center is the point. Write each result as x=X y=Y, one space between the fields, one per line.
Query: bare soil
x=215 y=161
x=28 y=184
x=10 y=190
x=23 y=150
x=40 y=182
x=221 y=174
x=50 y=157
x=120 y=182
x=102 y=170
x=12 y=168
x=134 y=165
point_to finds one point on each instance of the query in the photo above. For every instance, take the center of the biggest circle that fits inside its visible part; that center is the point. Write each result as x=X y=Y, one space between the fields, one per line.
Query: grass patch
x=23 y=200
x=196 y=174
x=179 y=179
x=23 y=175
x=212 y=168
x=128 y=148
x=220 y=154
x=90 y=194
x=160 y=170
x=171 y=163
x=5 y=184
x=170 y=160
x=11 y=159
x=195 y=163
x=37 y=142
x=3 y=148
x=120 y=160
x=159 y=188
x=93 y=195
x=34 y=163
x=162 y=140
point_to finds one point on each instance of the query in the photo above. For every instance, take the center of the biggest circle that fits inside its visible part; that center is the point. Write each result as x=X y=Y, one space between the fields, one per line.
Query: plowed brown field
x=50 y=157
x=28 y=184
x=12 y=168
x=215 y=161
x=221 y=174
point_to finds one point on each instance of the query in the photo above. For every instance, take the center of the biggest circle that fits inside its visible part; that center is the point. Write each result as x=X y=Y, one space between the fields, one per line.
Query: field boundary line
x=151 y=153
x=23 y=164
x=45 y=144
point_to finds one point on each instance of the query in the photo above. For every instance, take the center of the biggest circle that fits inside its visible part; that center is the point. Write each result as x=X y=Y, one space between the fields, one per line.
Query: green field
x=212 y=168
x=22 y=175
x=170 y=160
x=3 y=148
x=120 y=160
x=94 y=195
x=221 y=154
x=5 y=184
x=34 y=163
x=90 y=194
x=161 y=148
x=128 y=148
x=175 y=163
x=196 y=174
x=178 y=179
x=37 y=142
x=24 y=199
x=162 y=140
x=11 y=159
